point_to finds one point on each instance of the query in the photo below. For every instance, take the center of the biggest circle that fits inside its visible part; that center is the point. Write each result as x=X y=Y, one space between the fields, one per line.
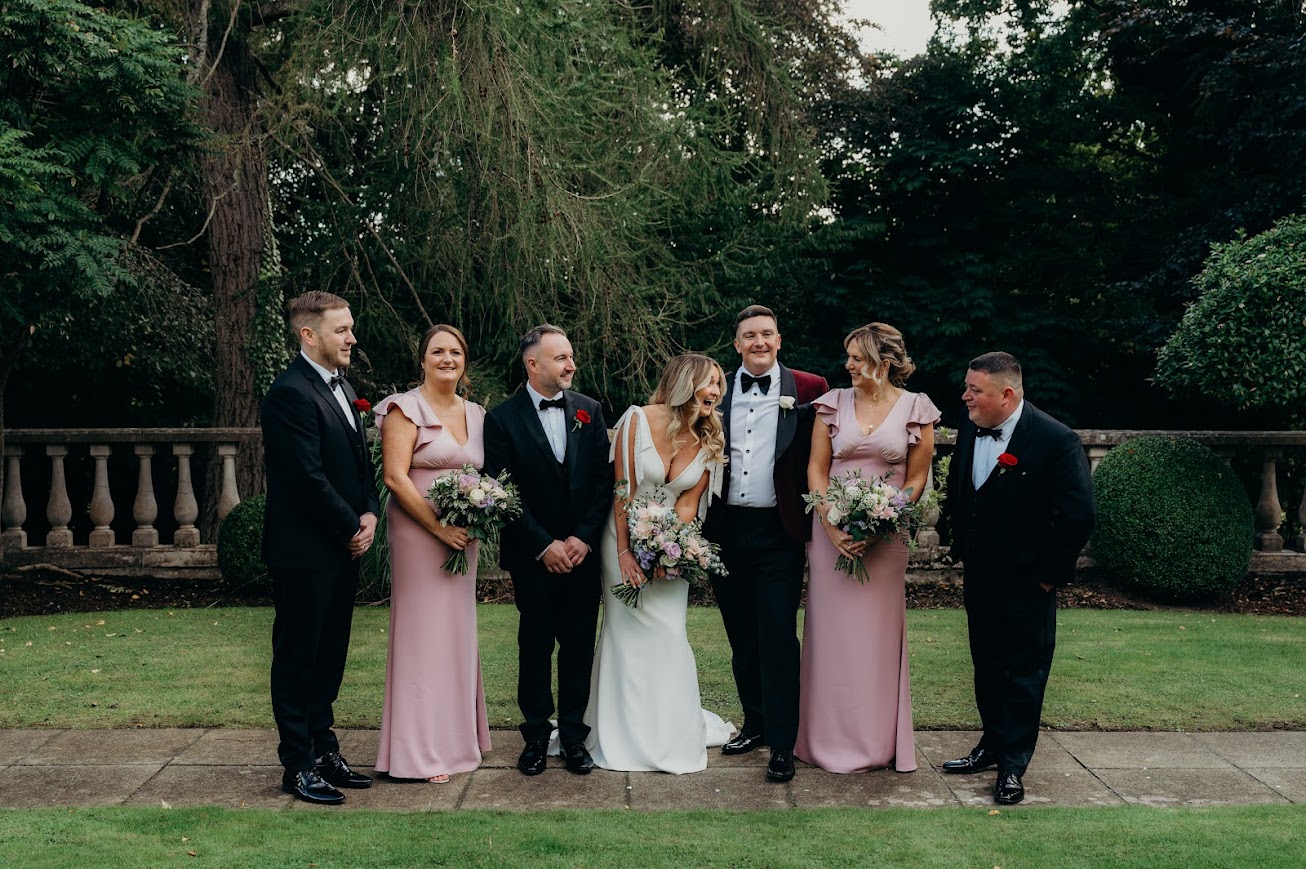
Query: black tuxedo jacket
x=319 y=471
x=1027 y=524
x=793 y=446
x=560 y=500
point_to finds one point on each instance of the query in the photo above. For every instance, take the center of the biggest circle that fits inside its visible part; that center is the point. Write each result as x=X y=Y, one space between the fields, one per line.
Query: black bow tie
x=747 y=380
x=560 y=403
x=995 y=433
x=337 y=381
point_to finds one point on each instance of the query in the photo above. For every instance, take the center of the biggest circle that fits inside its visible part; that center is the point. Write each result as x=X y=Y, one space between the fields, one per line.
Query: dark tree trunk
x=236 y=192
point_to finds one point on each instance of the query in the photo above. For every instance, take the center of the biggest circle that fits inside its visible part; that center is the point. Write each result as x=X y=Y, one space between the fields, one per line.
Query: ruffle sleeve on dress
x=922 y=412
x=412 y=405
x=634 y=415
x=827 y=409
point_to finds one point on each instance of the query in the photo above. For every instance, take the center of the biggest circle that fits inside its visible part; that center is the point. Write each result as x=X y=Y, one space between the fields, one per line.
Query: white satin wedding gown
x=644 y=710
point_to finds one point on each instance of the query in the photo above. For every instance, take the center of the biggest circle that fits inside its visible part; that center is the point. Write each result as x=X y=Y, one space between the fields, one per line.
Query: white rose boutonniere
x=786 y=403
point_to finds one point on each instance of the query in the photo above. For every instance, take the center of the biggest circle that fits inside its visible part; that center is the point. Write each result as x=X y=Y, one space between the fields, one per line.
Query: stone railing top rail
x=130 y=435
x=1110 y=437
x=1105 y=437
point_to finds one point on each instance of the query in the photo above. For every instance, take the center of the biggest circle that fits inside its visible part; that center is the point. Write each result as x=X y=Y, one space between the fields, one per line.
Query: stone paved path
x=238 y=768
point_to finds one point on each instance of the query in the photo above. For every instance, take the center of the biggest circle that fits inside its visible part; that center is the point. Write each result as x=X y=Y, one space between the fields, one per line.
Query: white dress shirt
x=554 y=421
x=338 y=393
x=988 y=449
x=753 y=420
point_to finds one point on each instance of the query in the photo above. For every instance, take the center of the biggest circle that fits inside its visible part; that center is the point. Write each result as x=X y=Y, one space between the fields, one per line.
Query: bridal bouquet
x=865 y=509
x=658 y=538
x=469 y=499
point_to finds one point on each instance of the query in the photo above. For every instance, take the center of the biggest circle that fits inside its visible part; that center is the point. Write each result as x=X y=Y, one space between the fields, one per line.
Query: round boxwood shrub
x=240 y=545
x=1173 y=522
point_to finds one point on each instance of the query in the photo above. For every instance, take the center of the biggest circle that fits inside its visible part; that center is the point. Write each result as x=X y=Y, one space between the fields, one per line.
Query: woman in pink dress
x=433 y=722
x=855 y=694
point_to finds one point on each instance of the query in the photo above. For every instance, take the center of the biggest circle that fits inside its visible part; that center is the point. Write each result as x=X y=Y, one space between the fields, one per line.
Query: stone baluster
x=1269 y=514
x=186 y=509
x=229 y=496
x=927 y=534
x=1095 y=455
x=1299 y=542
x=101 y=498
x=14 y=510
x=145 y=509
x=59 y=510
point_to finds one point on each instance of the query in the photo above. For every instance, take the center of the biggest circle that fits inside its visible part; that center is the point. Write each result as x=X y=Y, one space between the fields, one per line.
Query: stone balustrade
x=101 y=551
x=187 y=555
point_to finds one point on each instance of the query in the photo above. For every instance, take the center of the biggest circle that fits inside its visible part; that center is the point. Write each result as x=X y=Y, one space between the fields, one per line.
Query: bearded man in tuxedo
x=1020 y=500
x=319 y=520
x=763 y=530
x=554 y=445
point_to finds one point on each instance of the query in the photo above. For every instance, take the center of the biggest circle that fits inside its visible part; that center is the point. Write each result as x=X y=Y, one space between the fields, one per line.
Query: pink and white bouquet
x=865 y=509
x=477 y=502
x=659 y=539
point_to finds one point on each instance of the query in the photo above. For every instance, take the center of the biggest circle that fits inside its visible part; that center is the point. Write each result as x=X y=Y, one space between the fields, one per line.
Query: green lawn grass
x=1164 y=670
x=1260 y=836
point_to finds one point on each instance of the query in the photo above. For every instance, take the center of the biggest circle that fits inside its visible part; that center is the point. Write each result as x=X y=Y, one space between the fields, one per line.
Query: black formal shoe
x=534 y=758
x=977 y=761
x=309 y=787
x=577 y=758
x=781 y=767
x=1008 y=790
x=332 y=767
x=743 y=743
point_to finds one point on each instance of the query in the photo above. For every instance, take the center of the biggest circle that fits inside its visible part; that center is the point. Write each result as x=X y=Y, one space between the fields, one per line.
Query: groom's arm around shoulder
x=810 y=386
x=1068 y=485
x=292 y=446
x=593 y=519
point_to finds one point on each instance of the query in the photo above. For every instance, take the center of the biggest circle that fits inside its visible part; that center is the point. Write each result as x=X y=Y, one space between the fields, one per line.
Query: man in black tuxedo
x=319 y=520
x=554 y=445
x=763 y=530
x=1021 y=504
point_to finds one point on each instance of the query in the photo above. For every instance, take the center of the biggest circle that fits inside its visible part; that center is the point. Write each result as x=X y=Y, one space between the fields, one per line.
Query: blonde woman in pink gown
x=855 y=691
x=433 y=723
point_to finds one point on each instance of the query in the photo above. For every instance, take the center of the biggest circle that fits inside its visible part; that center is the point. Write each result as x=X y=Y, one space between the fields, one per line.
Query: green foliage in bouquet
x=240 y=545
x=1173 y=522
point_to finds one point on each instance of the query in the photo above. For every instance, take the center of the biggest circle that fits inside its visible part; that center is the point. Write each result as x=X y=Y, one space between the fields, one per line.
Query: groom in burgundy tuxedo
x=763 y=530
x=319 y=520
x=1021 y=503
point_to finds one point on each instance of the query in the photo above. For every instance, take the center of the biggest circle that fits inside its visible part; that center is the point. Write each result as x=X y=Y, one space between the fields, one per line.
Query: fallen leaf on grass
x=99 y=623
x=994 y=812
x=192 y=854
x=185 y=838
x=95 y=671
x=164 y=804
x=52 y=628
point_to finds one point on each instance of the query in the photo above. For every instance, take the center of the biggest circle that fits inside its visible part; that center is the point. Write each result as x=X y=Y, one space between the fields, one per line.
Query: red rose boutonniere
x=362 y=405
x=582 y=418
x=1006 y=462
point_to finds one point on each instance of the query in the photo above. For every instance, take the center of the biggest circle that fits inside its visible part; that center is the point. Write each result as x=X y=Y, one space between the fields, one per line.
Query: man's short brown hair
x=1002 y=367
x=756 y=311
x=307 y=309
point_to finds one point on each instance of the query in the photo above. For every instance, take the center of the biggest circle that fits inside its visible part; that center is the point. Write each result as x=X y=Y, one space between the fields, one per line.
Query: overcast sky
x=905 y=24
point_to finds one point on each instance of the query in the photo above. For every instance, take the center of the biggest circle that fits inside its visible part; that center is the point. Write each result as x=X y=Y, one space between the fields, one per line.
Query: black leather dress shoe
x=332 y=768
x=781 y=767
x=534 y=758
x=1008 y=790
x=977 y=761
x=743 y=743
x=309 y=787
x=577 y=758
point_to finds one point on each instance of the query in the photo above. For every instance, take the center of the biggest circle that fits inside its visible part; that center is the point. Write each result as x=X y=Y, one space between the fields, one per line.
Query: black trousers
x=759 y=606
x=310 y=641
x=560 y=608
x=1013 y=634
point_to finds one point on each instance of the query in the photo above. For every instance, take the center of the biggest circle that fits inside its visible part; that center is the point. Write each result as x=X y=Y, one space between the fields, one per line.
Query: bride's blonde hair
x=681 y=380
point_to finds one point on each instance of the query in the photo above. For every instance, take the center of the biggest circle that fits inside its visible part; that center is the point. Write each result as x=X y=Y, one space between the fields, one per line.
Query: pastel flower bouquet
x=478 y=502
x=658 y=538
x=865 y=508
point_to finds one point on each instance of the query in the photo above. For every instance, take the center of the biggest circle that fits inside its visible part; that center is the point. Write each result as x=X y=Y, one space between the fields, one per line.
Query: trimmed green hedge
x=1173 y=522
x=240 y=545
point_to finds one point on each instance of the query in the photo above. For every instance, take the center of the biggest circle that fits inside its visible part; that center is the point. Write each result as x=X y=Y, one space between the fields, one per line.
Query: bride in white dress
x=644 y=711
